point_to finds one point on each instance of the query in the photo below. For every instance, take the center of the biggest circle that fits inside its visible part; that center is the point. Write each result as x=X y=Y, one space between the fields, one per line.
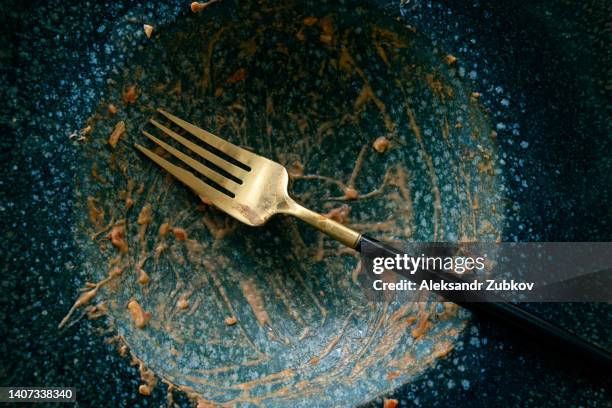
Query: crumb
x=144 y=389
x=117 y=133
x=230 y=321
x=143 y=277
x=350 y=193
x=182 y=304
x=112 y=109
x=130 y=94
x=296 y=169
x=451 y=59
x=148 y=29
x=237 y=76
x=390 y=403
x=381 y=144
x=138 y=315
x=309 y=21
x=179 y=233
x=458 y=125
x=196 y=7
x=476 y=95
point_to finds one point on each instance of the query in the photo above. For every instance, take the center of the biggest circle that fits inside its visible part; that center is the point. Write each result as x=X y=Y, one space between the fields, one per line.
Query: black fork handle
x=510 y=314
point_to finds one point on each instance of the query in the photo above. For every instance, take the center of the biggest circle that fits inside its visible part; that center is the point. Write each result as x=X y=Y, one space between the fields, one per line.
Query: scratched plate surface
x=312 y=86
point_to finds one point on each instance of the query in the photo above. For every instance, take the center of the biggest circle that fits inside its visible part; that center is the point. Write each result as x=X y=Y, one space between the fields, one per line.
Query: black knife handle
x=513 y=315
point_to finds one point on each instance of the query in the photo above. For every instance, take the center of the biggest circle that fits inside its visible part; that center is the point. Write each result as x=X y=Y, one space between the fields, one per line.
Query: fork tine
x=231 y=168
x=238 y=153
x=187 y=178
x=221 y=180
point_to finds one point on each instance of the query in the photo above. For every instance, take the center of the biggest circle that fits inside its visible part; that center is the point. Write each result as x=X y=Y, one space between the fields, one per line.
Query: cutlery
x=252 y=188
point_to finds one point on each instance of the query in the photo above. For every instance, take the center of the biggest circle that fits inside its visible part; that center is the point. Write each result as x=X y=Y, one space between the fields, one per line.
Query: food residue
x=340 y=214
x=182 y=304
x=350 y=193
x=116 y=271
x=295 y=170
x=86 y=297
x=144 y=389
x=146 y=215
x=390 y=403
x=451 y=59
x=327 y=28
x=143 y=277
x=147 y=377
x=421 y=326
x=179 y=233
x=381 y=144
x=148 y=29
x=255 y=300
x=96 y=214
x=164 y=229
x=130 y=94
x=140 y=318
x=184 y=253
x=205 y=200
x=237 y=76
x=144 y=219
x=117 y=133
x=196 y=7
x=309 y=21
x=117 y=236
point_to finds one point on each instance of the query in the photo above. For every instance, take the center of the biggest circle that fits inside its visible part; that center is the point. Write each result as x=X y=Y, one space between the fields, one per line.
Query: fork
x=246 y=186
x=252 y=188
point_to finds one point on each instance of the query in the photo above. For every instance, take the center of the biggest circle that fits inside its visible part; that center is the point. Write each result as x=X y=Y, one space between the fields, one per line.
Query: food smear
x=362 y=110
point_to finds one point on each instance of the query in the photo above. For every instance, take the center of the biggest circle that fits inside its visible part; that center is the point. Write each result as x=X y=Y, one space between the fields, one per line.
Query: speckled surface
x=549 y=150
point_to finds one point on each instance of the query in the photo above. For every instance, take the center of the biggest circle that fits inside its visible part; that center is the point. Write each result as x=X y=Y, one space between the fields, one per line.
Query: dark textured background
x=551 y=56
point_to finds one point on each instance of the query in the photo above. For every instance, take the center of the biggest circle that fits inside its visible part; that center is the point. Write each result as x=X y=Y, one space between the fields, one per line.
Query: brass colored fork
x=244 y=185
x=252 y=188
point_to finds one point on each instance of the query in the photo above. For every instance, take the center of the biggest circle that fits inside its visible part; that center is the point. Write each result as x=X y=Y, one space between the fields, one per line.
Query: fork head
x=243 y=184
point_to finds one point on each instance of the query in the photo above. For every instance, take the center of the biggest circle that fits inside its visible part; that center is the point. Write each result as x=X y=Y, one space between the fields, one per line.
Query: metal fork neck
x=331 y=228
